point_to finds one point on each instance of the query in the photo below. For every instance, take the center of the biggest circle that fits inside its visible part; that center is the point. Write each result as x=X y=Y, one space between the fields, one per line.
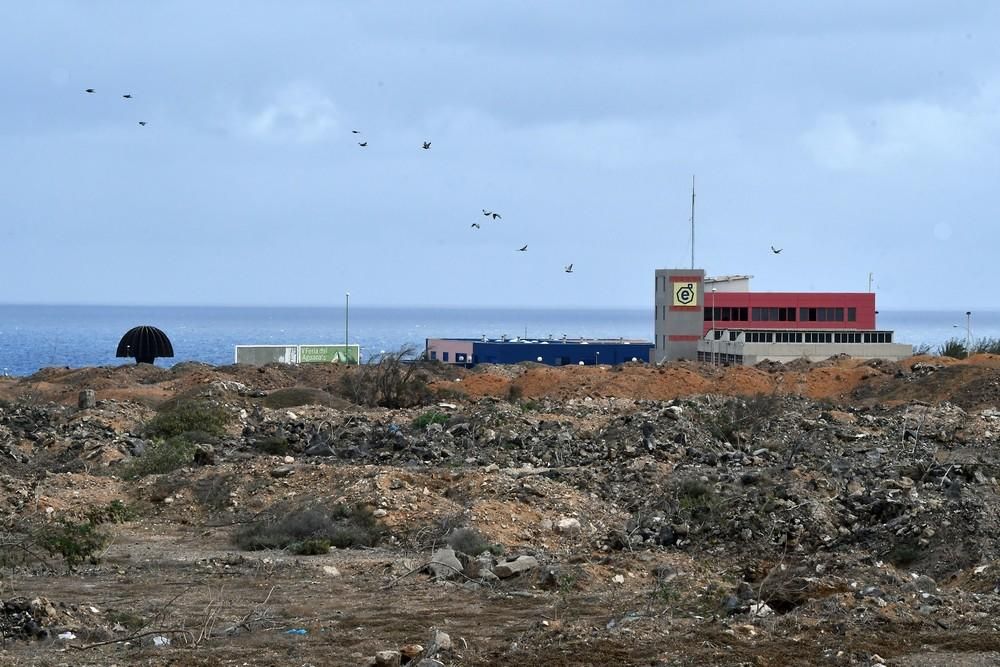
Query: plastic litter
x=297 y=631
x=67 y=635
x=160 y=640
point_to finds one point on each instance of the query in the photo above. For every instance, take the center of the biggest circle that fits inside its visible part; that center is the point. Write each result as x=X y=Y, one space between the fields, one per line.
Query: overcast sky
x=857 y=136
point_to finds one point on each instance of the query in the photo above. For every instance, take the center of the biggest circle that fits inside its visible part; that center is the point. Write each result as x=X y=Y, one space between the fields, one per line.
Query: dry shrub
x=302 y=528
x=391 y=380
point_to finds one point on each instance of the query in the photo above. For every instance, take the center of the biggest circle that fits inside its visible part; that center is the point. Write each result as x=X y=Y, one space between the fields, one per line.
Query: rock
x=568 y=525
x=330 y=570
x=459 y=430
x=744 y=591
x=514 y=567
x=87 y=399
x=289 y=459
x=443 y=640
x=380 y=512
x=410 y=651
x=760 y=609
x=282 y=471
x=204 y=455
x=481 y=567
x=387 y=659
x=618 y=578
x=732 y=605
x=444 y=564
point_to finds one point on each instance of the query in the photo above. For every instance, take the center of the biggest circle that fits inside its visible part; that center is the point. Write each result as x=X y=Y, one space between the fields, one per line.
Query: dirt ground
x=171 y=588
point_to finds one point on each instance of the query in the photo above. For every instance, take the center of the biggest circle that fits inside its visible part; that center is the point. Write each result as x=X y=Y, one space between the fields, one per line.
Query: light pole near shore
x=347 y=323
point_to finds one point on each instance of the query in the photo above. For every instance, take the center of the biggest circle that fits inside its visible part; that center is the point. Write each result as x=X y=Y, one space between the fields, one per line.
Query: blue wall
x=559 y=354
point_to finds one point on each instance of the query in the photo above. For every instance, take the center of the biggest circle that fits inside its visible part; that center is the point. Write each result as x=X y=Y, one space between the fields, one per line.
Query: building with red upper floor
x=723 y=321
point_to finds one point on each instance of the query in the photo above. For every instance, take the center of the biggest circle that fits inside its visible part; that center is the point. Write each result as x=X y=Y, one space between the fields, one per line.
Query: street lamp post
x=347 y=323
x=598 y=360
x=968 y=333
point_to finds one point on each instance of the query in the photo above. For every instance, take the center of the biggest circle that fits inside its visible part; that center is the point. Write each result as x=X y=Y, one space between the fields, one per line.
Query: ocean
x=34 y=337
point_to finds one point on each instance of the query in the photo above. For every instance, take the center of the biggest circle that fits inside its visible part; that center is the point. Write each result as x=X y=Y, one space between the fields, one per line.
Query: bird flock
x=492 y=215
x=125 y=96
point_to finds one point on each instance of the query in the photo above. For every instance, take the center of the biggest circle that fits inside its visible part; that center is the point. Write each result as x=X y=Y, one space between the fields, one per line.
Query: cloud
x=891 y=134
x=298 y=113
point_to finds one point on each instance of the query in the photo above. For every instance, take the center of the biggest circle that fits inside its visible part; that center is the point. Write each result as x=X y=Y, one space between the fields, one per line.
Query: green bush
x=114 y=512
x=954 y=348
x=471 y=542
x=986 y=346
x=341 y=526
x=430 y=417
x=311 y=547
x=74 y=541
x=275 y=445
x=189 y=416
x=160 y=457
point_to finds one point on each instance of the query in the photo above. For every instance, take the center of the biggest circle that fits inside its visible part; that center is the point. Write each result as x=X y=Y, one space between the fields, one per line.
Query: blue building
x=554 y=352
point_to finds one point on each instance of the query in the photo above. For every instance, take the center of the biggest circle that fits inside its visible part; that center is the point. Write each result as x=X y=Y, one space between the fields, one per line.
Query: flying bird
x=127 y=96
x=496 y=216
x=355 y=131
x=476 y=225
x=427 y=145
x=776 y=251
x=362 y=143
x=143 y=123
x=569 y=269
x=89 y=90
x=523 y=249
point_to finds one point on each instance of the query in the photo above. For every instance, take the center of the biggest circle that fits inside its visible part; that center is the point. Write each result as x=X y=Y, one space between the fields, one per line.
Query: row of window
x=811 y=336
x=460 y=357
x=755 y=314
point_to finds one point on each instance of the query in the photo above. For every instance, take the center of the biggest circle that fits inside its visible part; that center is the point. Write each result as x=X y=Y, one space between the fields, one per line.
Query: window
x=852 y=314
x=444 y=356
x=743 y=315
x=821 y=312
x=708 y=314
x=840 y=315
x=791 y=314
x=756 y=314
x=434 y=354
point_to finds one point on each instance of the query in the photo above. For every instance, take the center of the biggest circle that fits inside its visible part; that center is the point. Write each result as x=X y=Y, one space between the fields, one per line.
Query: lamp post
x=968 y=333
x=347 y=323
x=597 y=362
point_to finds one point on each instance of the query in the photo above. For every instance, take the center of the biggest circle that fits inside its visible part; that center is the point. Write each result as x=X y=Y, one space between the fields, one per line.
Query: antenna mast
x=692 y=221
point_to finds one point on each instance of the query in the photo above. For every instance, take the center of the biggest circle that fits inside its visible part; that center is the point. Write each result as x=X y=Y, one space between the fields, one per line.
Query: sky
x=858 y=137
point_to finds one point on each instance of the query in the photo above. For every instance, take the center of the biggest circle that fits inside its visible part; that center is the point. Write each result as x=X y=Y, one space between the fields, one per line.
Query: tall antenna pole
x=692 y=221
x=869 y=281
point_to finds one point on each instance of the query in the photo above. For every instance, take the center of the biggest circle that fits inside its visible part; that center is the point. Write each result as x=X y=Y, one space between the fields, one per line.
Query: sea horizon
x=36 y=336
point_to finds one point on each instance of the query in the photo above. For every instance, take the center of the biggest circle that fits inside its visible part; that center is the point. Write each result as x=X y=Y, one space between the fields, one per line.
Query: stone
x=410 y=651
x=568 y=525
x=330 y=570
x=443 y=640
x=444 y=564
x=87 y=399
x=514 y=567
x=387 y=659
x=282 y=471
x=204 y=455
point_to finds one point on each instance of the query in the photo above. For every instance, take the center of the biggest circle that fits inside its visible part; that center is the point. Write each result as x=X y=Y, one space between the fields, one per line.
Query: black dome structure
x=145 y=344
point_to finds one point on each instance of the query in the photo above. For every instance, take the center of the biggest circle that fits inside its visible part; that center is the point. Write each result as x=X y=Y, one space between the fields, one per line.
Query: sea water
x=34 y=337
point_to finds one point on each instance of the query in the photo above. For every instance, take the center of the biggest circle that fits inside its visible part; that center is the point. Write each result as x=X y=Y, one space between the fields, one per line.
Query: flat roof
x=726 y=279
x=549 y=341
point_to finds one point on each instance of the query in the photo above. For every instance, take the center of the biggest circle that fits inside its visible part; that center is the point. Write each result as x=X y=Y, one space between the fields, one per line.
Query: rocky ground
x=841 y=513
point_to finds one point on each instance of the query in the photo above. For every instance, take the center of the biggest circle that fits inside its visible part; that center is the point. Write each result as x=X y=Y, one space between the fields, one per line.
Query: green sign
x=329 y=354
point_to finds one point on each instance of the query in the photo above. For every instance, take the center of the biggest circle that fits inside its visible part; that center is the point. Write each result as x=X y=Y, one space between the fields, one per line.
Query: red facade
x=790 y=310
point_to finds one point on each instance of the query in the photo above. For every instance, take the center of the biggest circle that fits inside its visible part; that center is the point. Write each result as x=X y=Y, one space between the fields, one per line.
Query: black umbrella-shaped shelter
x=145 y=344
